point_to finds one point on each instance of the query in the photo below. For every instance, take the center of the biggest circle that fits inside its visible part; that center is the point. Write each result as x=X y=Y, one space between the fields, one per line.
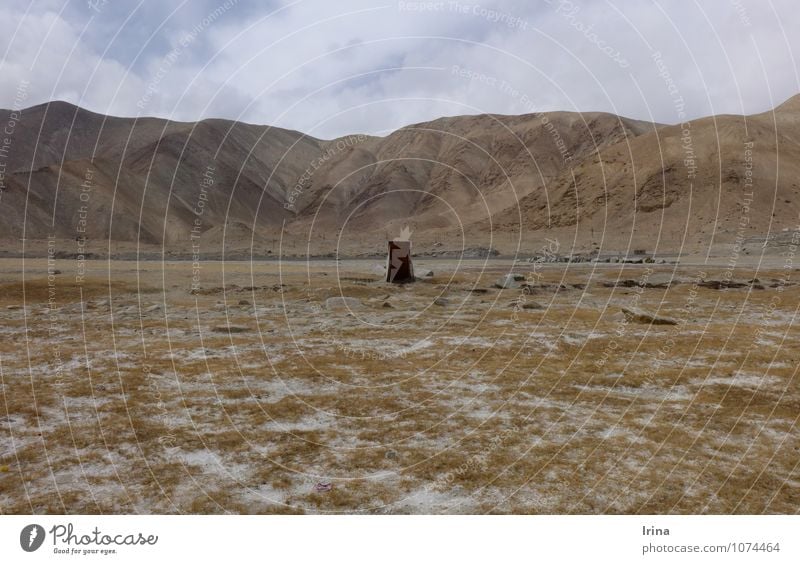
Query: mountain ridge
x=472 y=180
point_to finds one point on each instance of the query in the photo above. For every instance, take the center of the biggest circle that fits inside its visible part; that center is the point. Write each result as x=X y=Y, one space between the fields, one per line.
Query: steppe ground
x=128 y=393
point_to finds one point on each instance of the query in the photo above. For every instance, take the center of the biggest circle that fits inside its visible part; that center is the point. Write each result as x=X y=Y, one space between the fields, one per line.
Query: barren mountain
x=591 y=180
x=716 y=180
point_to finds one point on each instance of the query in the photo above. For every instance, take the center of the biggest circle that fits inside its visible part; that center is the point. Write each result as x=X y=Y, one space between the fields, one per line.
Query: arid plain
x=315 y=387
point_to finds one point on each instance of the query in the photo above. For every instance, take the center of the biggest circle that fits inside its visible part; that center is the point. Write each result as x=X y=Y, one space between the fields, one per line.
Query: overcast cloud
x=332 y=68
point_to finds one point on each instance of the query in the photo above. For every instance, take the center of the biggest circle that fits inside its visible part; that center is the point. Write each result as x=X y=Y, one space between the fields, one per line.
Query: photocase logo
x=31 y=538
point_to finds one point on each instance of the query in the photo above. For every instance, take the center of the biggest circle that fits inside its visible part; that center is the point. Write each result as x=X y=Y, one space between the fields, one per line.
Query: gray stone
x=506 y=282
x=230 y=329
x=635 y=315
x=662 y=280
x=478 y=290
x=527 y=304
x=722 y=284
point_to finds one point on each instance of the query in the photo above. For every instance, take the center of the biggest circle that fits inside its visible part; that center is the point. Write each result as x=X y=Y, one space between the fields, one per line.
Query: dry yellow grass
x=138 y=401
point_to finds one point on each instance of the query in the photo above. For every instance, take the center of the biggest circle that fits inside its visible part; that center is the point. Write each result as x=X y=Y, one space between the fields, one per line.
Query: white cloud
x=356 y=66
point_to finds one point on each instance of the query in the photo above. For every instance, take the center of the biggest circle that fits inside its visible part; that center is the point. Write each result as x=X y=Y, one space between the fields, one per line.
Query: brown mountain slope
x=713 y=181
x=143 y=180
x=591 y=180
x=454 y=171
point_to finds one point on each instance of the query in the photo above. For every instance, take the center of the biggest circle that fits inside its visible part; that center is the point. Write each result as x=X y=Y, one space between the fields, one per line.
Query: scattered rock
x=388 y=305
x=230 y=329
x=479 y=252
x=152 y=308
x=343 y=302
x=391 y=454
x=722 y=284
x=572 y=339
x=657 y=280
x=526 y=304
x=424 y=273
x=441 y=302
x=244 y=303
x=506 y=282
x=357 y=280
x=635 y=315
x=662 y=280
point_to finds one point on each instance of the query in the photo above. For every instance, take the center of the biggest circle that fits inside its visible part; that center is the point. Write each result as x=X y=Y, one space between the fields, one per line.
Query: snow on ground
x=149 y=403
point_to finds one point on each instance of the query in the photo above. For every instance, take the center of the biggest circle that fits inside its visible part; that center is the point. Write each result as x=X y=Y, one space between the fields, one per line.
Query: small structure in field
x=398 y=262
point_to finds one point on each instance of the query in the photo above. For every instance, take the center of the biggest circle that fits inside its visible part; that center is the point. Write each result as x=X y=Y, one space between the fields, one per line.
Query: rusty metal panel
x=398 y=262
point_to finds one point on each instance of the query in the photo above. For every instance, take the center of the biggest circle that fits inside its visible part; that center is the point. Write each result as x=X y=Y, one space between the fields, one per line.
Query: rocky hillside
x=592 y=180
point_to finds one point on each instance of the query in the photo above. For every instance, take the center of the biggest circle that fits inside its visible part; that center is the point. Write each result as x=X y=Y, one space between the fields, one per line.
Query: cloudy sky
x=332 y=68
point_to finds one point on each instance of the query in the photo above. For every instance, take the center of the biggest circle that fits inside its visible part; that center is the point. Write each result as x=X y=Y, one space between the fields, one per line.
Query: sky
x=334 y=68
